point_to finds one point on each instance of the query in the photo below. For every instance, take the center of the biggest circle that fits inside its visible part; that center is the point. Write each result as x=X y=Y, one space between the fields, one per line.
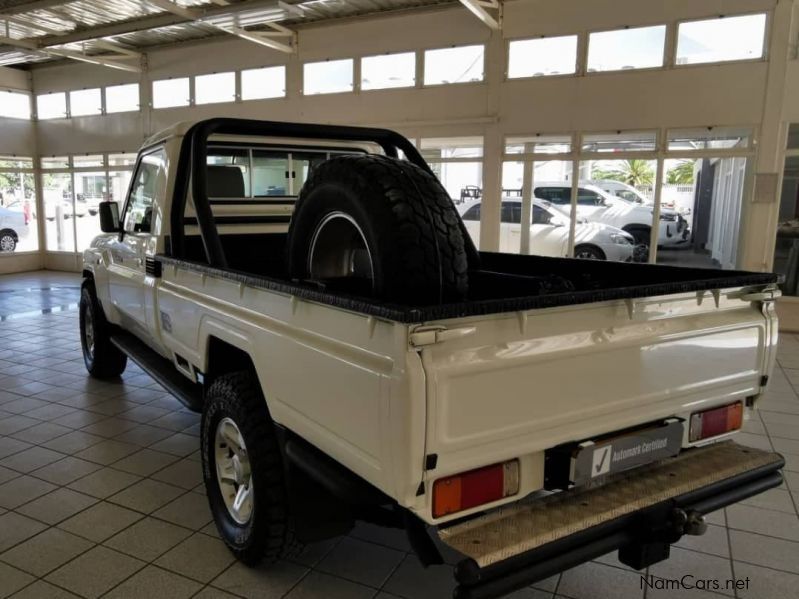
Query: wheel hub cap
x=88 y=332
x=6 y=243
x=233 y=471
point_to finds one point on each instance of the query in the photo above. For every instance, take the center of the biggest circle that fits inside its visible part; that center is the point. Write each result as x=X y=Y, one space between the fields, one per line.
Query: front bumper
x=617 y=252
x=640 y=513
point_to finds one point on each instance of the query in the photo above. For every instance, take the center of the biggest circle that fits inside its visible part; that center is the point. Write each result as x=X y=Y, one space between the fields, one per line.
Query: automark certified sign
x=622 y=453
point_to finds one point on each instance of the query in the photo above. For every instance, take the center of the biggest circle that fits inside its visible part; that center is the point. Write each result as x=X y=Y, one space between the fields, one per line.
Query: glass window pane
x=717 y=40
x=437 y=148
x=223 y=183
x=171 y=92
x=51 y=106
x=543 y=56
x=538 y=144
x=18 y=227
x=15 y=105
x=58 y=211
x=268 y=82
x=714 y=137
x=84 y=102
x=90 y=190
x=389 y=70
x=301 y=166
x=270 y=172
x=216 y=87
x=626 y=141
x=148 y=182
x=327 y=77
x=122 y=98
x=86 y=160
x=462 y=180
x=454 y=65
x=55 y=162
x=793 y=136
x=625 y=49
x=701 y=201
x=16 y=162
x=786 y=250
x=122 y=159
x=118 y=182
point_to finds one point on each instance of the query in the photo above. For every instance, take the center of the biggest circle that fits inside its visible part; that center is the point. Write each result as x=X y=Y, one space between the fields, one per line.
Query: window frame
x=577 y=53
x=415 y=74
x=139 y=161
x=261 y=68
x=764 y=56
x=118 y=85
x=664 y=58
x=305 y=65
x=189 y=100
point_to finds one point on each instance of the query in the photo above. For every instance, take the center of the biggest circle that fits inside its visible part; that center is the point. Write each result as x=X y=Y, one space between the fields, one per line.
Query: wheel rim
x=641 y=252
x=88 y=331
x=586 y=255
x=233 y=472
x=339 y=249
x=7 y=243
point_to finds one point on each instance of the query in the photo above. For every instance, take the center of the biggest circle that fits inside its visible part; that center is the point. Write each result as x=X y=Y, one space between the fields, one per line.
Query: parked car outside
x=627 y=192
x=13 y=225
x=549 y=232
x=597 y=205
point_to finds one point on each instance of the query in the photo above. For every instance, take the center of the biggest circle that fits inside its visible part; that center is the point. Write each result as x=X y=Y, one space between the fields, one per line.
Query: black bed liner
x=510 y=283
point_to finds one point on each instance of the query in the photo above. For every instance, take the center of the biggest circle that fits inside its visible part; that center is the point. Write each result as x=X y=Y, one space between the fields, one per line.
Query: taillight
x=717 y=421
x=475 y=487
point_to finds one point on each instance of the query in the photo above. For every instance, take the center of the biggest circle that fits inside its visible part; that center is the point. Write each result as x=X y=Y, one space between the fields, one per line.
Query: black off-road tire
x=411 y=228
x=8 y=240
x=104 y=360
x=268 y=535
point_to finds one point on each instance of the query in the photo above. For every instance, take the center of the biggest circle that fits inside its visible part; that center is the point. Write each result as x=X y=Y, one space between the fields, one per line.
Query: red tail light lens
x=475 y=487
x=717 y=421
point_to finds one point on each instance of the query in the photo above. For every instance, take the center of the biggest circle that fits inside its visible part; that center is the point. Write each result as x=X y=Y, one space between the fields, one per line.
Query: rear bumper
x=505 y=552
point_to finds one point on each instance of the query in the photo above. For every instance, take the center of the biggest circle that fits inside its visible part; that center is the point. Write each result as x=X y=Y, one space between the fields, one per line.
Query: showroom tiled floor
x=101 y=495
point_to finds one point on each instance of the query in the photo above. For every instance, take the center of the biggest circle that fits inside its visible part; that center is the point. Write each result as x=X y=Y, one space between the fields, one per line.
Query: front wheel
x=103 y=359
x=588 y=252
x=243 y=471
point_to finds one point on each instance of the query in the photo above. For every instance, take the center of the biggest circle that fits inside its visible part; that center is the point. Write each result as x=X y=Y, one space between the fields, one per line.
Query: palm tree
x=631 y=172
x=682 y=173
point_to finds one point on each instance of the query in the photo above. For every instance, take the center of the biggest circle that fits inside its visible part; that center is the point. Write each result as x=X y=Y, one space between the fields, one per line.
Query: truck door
x=140 y=222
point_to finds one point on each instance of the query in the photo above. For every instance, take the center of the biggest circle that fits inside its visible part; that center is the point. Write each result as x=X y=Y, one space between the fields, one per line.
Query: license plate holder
x=593 y=460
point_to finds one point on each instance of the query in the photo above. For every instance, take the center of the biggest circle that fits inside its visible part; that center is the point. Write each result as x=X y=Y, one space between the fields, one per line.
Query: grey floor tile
x=269 y=582
x=104 y=483
x=107 y=452
x=100 y=522
x=765 y=551
x=774 y=499
x=56 y=506
x=66 y=471
x=10 y=446
x=31 y=459
x=148 y=539
x=190 y=510
x=154 y=582
x=15 y=528
x=361 y=562
x=380 y=535
x=714 y=541
x=199 y=557
x=6 y=474
x=699 y=565
x=144 y=435
x=178 y=444
x=765 y=583
x=41 y=433
x=316 y=585
x=146 y=496
x=213 y=593
x=108 y=568
x=185 y=473
x=21 y=490
x=73 y=442
x=145 y=462
x=310 y=555
x=598 y=581
x=12 y=580
x=411 y=581
x=43 y=590
x=766 y=522
x=16 y=423
x=45 y=552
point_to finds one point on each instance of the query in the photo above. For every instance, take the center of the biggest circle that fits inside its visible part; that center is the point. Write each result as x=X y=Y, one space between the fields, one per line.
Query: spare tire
x=378 y=226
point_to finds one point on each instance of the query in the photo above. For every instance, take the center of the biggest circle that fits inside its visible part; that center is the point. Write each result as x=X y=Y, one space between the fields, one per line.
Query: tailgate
x=514 y=385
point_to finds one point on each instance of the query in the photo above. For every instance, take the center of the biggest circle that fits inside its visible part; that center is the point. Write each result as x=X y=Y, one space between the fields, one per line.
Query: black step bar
x=633 y=534
x=162 y=370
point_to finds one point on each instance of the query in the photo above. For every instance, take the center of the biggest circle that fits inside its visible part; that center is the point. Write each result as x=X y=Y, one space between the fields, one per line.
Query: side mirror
x=109 y=217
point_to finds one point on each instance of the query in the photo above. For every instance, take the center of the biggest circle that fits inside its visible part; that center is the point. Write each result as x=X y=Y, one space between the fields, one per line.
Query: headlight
x=621 y=239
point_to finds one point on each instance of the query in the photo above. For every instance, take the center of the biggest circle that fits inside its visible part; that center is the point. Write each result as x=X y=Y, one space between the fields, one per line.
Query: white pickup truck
x=355 y=357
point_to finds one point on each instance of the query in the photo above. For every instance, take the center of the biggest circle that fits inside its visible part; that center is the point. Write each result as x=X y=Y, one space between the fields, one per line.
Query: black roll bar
x=194 y=154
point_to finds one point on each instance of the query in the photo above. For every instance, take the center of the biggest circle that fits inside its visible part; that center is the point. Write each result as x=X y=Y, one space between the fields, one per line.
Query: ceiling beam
x=482 y=9
x=101 y=60
x=34 y=5
x=259 y=37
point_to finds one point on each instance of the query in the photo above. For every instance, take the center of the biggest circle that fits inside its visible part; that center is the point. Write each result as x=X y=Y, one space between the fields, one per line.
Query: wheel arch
x=223 y=356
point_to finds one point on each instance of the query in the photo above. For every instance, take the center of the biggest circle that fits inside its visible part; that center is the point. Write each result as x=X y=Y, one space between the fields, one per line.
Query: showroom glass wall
x=19 y=230
x=786 y=248
x=72 y=189
x=689 y=181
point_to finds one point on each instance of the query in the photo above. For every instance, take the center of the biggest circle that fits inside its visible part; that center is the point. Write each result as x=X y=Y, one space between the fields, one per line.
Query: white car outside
x=12 y=227
x=549 y=232
x=598 y=205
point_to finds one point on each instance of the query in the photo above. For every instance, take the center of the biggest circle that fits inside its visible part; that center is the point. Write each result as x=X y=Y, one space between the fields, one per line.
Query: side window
x=556 y=195
x=148 y=182
x=270 y=170
x=541 y=216
x=472 y=213
x=586 y=197
x=511 y=212
x=302 y=165
x=228 y=173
